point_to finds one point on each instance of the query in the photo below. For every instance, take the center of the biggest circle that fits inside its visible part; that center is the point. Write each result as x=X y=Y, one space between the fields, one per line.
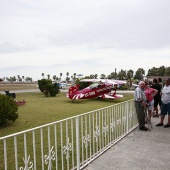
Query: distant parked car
x=62 y=85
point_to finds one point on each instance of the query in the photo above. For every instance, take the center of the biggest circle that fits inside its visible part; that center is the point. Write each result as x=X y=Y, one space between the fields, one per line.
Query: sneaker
x=166 y=126
x=160 y=124
x=144 y=128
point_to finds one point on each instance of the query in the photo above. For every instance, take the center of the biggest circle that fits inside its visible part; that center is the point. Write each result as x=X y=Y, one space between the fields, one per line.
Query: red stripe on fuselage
x=95 y=92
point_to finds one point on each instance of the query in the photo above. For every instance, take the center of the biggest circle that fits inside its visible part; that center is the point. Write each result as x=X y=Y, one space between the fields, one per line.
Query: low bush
x=8 y=110
x=48 y=88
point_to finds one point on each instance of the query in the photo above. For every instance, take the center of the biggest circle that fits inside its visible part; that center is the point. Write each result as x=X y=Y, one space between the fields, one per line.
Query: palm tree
x=54 y=77
x=67 y=78
x=74 y=77
x=19 y=78
x=42 y=75
x=48 y=76
x=23 y=77
x=129 y=76
x=14 y=78
x=57 y=79
x=61 y=75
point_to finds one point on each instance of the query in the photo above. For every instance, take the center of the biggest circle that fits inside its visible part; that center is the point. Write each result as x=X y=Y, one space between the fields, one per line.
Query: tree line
x=17 y=78
x=121 y=75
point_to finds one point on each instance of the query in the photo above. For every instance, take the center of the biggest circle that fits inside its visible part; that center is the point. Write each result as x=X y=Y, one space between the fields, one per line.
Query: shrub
x=43 y=83
x=8 y=110
x=49 y=89
x=54 y=89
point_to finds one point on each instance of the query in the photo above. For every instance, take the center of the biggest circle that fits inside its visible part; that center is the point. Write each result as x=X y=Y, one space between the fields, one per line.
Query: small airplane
x=101 y=88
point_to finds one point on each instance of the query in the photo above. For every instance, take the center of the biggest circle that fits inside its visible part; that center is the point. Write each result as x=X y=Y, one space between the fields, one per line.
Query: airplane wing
x=111 y=81
x=110 y=96
x=119 y=81
x=135 y=85
x=106 y=96
x=118 y=95
x=90 y=80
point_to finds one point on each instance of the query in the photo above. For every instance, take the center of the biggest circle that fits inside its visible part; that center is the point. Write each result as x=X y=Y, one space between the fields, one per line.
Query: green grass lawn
x=40 y=110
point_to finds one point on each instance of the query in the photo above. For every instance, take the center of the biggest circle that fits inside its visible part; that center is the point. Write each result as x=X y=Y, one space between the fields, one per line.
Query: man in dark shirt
x=157 y=97
x=160 y=82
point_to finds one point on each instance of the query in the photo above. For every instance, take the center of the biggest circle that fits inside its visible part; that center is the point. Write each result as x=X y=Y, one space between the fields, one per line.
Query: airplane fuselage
x=94 y=92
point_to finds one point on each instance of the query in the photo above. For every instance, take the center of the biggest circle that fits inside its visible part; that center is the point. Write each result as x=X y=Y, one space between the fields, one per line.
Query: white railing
x=71 y=143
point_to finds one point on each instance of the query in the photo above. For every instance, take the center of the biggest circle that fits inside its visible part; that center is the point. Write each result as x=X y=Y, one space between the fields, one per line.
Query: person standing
x=150 y=94
x=140 y=105
x=157 y=97
x=165 y=105
x=160 y=82
x=162 y=85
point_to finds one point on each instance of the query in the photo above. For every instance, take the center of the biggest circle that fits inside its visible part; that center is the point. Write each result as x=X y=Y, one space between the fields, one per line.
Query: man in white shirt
x=165 y=106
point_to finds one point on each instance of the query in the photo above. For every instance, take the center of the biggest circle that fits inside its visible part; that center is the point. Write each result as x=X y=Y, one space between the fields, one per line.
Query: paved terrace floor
x=140 y=150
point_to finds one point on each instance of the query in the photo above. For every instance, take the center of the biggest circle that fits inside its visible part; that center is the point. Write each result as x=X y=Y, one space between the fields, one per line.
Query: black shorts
x=156 y=102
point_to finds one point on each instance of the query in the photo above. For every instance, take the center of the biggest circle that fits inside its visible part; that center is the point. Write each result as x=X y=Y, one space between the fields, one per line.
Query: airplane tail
x=72 y=91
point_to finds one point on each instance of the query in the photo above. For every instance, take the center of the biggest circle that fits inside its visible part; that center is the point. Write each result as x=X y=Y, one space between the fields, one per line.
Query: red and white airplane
x=100 y=89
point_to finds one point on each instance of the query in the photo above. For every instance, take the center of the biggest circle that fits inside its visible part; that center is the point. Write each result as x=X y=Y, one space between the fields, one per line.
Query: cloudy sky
x=82 y=37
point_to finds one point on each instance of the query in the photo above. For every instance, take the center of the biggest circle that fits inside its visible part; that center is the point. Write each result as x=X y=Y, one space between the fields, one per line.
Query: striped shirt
x=139 y=95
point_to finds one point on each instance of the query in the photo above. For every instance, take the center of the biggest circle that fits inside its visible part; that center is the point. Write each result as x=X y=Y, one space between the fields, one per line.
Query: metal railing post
x=77 y=143
x=127 y=117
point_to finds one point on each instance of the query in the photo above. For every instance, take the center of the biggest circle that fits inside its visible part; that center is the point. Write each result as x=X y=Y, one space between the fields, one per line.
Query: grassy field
x=40 y=110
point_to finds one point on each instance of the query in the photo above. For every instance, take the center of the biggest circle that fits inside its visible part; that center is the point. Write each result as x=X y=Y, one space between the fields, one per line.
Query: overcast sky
x=82 y=37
